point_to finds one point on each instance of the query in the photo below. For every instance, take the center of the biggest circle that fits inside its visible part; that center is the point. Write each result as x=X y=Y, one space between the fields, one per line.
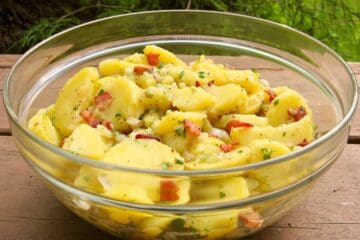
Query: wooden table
x=29 y=211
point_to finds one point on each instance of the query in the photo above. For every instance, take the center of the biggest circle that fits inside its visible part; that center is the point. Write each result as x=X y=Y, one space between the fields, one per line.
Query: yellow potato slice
x=76 y=95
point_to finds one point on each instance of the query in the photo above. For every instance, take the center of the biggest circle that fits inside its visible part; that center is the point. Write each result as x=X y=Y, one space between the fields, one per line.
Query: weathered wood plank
x=330 y=211
x=7 y=60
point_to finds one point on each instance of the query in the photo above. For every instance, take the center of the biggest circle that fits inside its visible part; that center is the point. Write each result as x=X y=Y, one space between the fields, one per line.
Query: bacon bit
x=86 y=114
x=94 y=122
x=251 y=219
x=168 y=191
x=103 y=100
x=144 y=136
x=197 y=84
x=271 y=93
x=211 y=83
x=108 y=125
x=89 y=118
x=139 y=70
x=297 y=113
x=228 y=147
x=303 y=143
x=62 y=142
x=236 y=124
x=153 y=59
x=192 y=128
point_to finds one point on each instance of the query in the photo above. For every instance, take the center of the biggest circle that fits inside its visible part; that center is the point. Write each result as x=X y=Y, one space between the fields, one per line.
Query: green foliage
x=42 y=30
x=334 y=22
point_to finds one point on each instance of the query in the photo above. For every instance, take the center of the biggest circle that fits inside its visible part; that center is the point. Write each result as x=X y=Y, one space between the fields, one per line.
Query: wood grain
x=28 y=210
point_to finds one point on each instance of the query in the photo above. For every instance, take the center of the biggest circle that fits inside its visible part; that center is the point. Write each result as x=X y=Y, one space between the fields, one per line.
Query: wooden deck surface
x=29 y=211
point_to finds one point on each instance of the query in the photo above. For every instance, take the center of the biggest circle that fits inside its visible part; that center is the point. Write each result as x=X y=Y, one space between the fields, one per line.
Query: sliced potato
x=42 y=126
x=77 y=94
x=114 y=66
x=164 y=55
x=228 y=98
x=85 y=141
x=126 y=100
x=192 y=99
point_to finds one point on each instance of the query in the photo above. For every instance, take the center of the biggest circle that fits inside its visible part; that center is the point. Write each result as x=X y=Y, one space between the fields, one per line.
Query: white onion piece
x=104 y=182
x=134 y=122
x=219 y=133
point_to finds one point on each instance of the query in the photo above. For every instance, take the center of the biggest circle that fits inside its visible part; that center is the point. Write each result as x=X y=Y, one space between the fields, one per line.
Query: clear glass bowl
x=282 y=55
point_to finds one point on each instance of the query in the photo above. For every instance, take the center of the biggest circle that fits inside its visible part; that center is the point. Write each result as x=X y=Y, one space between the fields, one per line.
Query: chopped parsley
x=119 y=114
x=178 y=224
x=201 y=74
x=240 y=151
x=181 y=132
x=181 y=74
x=315 y=127
x=254 y=70
x=179 y=161
x=165 y=165
x=276 y=102
x=284 y=134
x=101 y=92
x=161 y=65
x=86 y=178
x=266 y=153
x=222 y=194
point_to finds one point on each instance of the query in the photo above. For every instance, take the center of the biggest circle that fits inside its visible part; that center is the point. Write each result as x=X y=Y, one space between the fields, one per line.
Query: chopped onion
x=219 y=133
x=104 y=182
x=134 y=122
x=81 y=203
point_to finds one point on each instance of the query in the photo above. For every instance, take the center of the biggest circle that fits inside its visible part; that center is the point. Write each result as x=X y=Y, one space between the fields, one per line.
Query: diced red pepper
x=89 y=118
x=236 y=124
x=211 y=83
x=272 y=95
x=145 y=136
x=62 y=142
x=197 y=84
x=139 y=70
x=192 y=128
x=228 y=147
x=86 y=114
x=108 y=125
x=153 y=59
x=103 y=100
x=168 y=191
x=94 y=122
x=251 y=219
x=297 y=113
x=303 y=143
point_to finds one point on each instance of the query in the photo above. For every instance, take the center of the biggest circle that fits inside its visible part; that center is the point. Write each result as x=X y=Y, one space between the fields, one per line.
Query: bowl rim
x=110 y=166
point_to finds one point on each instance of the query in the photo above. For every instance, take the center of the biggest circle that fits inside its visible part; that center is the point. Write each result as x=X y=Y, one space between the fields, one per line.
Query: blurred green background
x=334 y=22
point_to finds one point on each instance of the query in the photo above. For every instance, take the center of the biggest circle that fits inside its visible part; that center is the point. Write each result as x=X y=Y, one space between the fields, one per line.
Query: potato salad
x=152 y=110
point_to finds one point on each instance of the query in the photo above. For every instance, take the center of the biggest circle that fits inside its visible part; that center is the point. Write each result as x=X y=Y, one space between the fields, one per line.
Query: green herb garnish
x=266 y=153
x=179 y=161
x=181 y=74
x=181 y=132
x=101 y=92
x=178 y=223
x=165 y=165
x=119 y=114
x=201 y=74
x=276 y=102
x=222 y=194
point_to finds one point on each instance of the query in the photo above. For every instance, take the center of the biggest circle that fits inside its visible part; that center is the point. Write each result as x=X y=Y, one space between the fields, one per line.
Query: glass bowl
x=282 y=55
